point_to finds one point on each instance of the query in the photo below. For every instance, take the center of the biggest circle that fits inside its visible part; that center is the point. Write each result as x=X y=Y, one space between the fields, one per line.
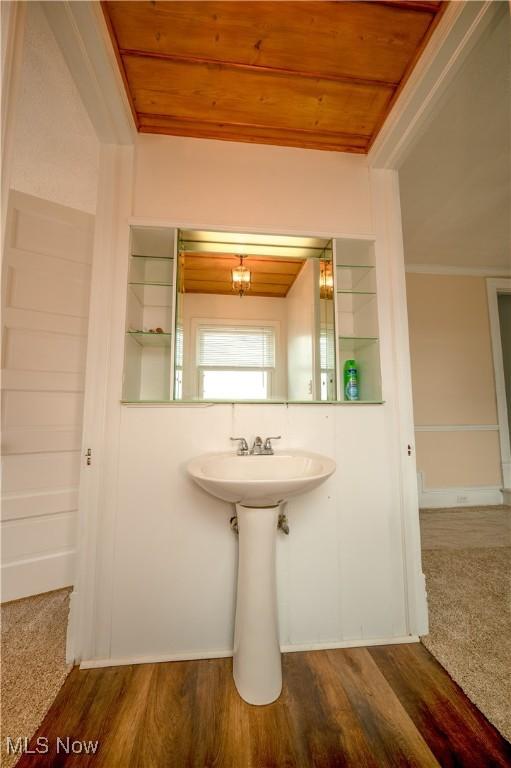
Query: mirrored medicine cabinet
x=238 y=317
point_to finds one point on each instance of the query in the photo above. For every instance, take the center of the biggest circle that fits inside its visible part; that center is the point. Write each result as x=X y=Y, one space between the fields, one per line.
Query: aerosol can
x=351 y=380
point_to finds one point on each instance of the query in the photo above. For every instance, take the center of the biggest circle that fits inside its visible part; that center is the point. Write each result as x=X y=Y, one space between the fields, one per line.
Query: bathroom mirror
x=254 y=318
x=229 y=316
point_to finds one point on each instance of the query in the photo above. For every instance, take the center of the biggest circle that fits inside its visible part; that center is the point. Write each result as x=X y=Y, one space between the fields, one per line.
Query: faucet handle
x=267 y=443
x=243 y=446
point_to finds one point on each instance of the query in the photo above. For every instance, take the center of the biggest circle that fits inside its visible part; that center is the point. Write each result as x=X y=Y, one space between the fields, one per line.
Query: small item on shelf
x=351 y=380
x=159 y=330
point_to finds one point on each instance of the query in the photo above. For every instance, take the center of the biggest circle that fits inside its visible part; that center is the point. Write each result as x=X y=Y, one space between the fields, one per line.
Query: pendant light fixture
x=240 y=278
x=326 y=280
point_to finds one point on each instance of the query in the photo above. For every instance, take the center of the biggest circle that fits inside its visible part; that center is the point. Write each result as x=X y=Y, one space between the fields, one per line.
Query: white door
x=45 y=306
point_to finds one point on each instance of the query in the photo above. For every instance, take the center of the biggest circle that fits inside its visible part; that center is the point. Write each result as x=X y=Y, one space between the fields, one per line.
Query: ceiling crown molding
x=445 y=269
x=83 y=38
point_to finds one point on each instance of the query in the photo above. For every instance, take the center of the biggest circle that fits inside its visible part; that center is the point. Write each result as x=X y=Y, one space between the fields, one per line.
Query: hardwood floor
x=360 y=707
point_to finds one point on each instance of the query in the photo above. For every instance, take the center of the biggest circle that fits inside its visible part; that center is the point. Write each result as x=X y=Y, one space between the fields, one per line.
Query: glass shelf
x=351 y=291
x=355 y=266
x=359 y=338
x=365 y=350
x=149 y=282
x=155 y=258
x=355 y=343
x=148 y=339
x=354 y=277
x=206 y=403
x=352 y=302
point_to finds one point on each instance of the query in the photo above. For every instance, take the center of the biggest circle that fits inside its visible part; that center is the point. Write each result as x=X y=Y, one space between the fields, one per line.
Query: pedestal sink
x=258 y=485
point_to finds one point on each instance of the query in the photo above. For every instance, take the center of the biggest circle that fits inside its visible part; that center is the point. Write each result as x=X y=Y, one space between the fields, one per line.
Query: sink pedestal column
x=257 y=663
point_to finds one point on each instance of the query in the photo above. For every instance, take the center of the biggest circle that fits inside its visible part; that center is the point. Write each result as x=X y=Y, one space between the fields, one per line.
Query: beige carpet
x=469 y=595
x=33 y=662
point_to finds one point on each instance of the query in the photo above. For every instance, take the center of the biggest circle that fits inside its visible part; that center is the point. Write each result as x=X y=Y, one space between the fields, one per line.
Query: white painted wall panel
x=166 y=559
x=40 y=440
x=62 y=268
x=39 y=409
x=41 y=292
x=41 y=381
x=48 y=572
x=24 y=472
x=42 y=351
x=21 y=505
x=175 y=562
x=70 y=240
x=28 y=319
x=222 y=183
x=56 y=151
x=43 y=535
x=45 y=306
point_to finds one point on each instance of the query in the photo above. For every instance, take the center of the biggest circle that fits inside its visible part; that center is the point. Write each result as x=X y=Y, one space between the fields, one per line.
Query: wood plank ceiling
x=211 y=273
x=321 y=75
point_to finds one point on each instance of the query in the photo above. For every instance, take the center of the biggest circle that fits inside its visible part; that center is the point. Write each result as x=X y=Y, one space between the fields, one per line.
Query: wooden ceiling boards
x=321 y=75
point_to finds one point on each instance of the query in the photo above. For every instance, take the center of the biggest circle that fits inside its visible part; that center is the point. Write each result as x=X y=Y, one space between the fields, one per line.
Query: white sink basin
x=258 y=484
x=260 y=481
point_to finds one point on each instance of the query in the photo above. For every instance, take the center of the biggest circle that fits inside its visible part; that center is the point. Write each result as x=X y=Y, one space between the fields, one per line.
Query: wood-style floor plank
x=322 y=716
x=362 y=708
x=393 y=737
x=455 y=730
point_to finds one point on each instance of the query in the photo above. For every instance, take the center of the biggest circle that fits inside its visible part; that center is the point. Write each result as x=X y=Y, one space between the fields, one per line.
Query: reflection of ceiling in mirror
x=212 y=273
x=241 y=243
x=274 y=261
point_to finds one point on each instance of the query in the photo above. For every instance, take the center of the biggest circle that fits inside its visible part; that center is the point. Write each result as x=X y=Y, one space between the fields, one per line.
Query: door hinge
x=88 y=456
x=409 y=449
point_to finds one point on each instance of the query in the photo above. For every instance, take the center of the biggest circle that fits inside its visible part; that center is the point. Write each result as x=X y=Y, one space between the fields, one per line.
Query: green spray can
x=351 y=380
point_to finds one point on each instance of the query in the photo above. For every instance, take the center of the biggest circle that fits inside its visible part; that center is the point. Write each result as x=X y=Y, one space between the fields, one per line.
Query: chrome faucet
x=268 y=447
x=243 y=446
x=265 y=448
x=260 y=447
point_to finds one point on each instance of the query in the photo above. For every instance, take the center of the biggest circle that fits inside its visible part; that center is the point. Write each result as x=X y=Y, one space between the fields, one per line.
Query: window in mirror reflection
x=274 y=342
x=235 y=362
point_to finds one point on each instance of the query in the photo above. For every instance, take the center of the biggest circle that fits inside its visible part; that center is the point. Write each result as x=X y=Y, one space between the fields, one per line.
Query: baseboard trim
x=36 y=575
x=196 y=655
x=506 y=496
x=470 y=496
x=153 y=659
x=402 y=639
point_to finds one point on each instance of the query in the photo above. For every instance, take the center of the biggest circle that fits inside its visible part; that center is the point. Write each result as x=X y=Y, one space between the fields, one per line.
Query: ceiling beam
x=234 y=124
x=408 y=5
x=257 y=68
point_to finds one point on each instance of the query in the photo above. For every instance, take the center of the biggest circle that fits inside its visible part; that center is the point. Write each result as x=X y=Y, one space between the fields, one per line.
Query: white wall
x=56 y=151
x=457 y=438
x=45 y=307
x=232 y=308
x=225 y=184
x=166 y=564
x=456 y=181
x=48 y=250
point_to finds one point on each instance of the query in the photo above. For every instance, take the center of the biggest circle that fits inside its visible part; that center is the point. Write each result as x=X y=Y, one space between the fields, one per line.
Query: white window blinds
x=236 y=346
x=179 y=346
x=327 y=349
